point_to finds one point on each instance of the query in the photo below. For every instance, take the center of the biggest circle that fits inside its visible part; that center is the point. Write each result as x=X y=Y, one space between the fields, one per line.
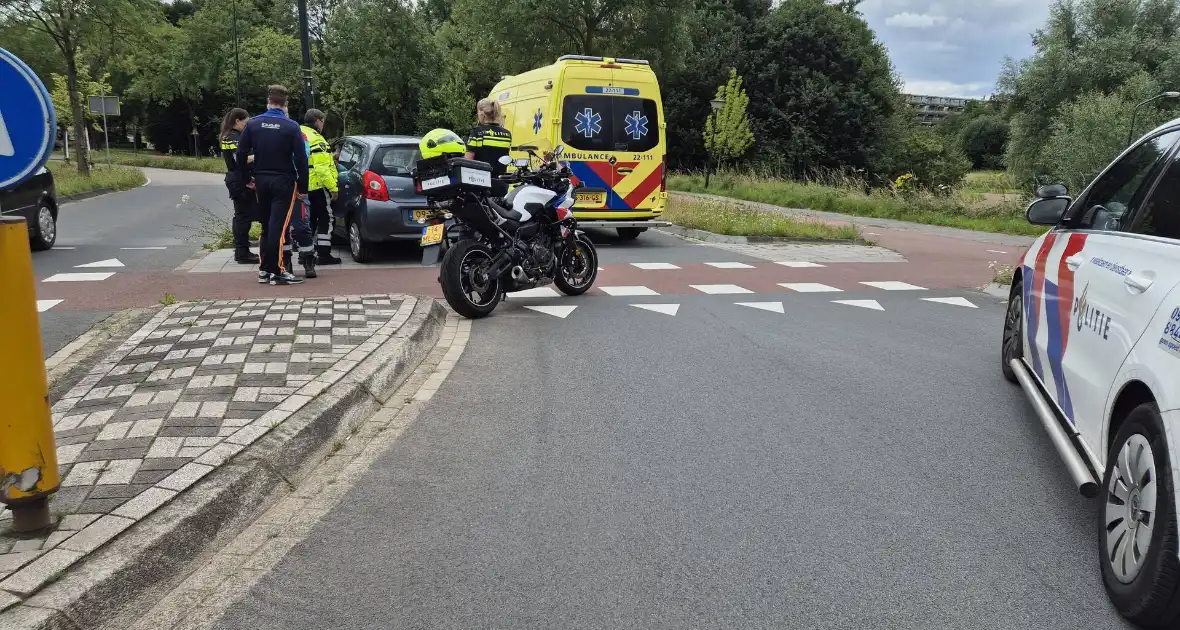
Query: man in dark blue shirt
x=280 y=176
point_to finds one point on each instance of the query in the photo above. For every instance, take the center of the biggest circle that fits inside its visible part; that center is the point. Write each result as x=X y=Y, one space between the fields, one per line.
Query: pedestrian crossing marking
x=774 y=307
x=869 y=304
x=809 y=287
x=953 y=301
x=556 y=311
x=798 y=264
x=654 y=266
x=719 y=289
x=79 y=277
x=894 y=286
x=730 y=265
x=538 y=292
x=45 y=305
x=110 y=262
x=627 y=291
x=666 y=309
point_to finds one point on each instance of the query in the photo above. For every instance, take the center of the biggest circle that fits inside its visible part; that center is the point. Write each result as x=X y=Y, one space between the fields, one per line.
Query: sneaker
x=284 y=279
x=263 y=277
x=328 y=259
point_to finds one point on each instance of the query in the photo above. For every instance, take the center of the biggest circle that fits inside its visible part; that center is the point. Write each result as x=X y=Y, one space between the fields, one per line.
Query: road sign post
x=28 y=454
x=103 y=104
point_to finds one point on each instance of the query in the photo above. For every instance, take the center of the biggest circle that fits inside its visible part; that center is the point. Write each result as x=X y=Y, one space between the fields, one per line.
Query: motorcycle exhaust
x=518 y=273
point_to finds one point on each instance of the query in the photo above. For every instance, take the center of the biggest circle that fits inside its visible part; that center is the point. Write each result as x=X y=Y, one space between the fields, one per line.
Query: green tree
x=727 y=130
x=983 y=141
x=74 y=24
x=937 y=164
x=824 y=90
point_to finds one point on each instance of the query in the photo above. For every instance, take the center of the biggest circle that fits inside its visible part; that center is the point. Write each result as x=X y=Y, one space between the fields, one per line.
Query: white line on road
x=556 y=311
x=110 y=262
x=953 y=301
x=133 y=249
x=666 y=309
x=774 y=307
x=730 y=265
x=56 y=247
x=869 y=304
x=654 y=266
x=798 y=264
x=809 y=287
x=627 y=291
x=45 y=305
x=79 y=277
x=995 y=251
x=534 y=293
x=719 y=289
x=891 y=285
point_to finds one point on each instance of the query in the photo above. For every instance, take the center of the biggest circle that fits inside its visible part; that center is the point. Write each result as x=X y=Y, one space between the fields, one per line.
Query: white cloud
x=915 y=20
x=948 y=88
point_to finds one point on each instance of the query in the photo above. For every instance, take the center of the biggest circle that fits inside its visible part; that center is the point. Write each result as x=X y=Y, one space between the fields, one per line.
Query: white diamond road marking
x=538 y=292
x=774 y=307
x=730 y=265
x=556 y=311
x=654 y=266
x=110 y=262
x=953 y=301
x=45 y=305
x=809 y=287
x=894 y=286
x=798 y=264
x=79 y=277
x=869 y=304
x=667 y=309
x=719 y=289
x=627 y=291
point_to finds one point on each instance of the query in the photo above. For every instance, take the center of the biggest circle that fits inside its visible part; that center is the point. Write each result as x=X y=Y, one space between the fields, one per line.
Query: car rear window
x=610 y=123
x=395 y=160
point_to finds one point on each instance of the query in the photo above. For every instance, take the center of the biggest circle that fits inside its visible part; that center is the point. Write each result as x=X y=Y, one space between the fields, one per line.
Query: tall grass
x=735 y=219
x=173 y=162
x=69 y=182
x=847 y=196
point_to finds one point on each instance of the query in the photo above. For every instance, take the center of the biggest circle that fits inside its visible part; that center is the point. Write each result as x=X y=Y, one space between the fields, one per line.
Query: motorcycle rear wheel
x=578 y=268
x=460 y=285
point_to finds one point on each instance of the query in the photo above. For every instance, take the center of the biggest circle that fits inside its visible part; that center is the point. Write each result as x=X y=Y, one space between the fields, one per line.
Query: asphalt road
x=827 y=467
x=123 y=226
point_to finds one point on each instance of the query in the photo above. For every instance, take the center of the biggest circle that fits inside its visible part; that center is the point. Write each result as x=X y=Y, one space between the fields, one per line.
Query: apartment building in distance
x=932 y=109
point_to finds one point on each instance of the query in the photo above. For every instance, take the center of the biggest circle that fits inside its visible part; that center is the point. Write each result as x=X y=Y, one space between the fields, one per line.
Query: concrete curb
x=150 y=558
x=710 y=237
x=994 y=289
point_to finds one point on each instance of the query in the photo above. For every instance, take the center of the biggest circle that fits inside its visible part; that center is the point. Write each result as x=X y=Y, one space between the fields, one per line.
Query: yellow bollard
x=28 y=454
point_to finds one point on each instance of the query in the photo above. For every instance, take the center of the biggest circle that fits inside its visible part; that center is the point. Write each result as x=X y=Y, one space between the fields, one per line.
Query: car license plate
x=420 y=215
x=594 y=199
x=432 y=234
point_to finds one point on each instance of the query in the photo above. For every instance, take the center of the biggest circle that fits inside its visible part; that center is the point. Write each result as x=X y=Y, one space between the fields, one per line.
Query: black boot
x=287 y=262
x=324 y=256
x=246 y=257
x=308 y=262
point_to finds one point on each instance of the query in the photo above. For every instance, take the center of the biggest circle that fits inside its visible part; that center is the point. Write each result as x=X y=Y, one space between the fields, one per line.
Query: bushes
x=936 y=164
x=983 y=141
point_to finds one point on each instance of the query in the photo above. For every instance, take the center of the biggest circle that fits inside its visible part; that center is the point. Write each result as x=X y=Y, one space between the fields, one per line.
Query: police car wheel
x=1013 y=346
x=1137 y=539
x=44 y=232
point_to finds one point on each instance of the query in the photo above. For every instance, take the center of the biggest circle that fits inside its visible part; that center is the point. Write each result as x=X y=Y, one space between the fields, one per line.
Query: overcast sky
x=954 y=47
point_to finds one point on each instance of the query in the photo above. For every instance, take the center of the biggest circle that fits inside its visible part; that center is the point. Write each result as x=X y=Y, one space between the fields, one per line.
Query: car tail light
x=664 y=174
x=375 y=187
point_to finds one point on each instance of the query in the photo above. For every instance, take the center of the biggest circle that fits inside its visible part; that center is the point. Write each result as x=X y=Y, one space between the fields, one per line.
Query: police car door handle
x=1073 y=262
x=1138 y=283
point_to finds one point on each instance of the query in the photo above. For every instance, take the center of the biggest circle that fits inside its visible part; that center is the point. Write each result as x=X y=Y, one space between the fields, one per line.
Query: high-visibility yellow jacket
x=322 y=169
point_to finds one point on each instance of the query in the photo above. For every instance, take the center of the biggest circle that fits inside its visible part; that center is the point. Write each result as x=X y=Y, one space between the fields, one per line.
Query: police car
x=1092 y=336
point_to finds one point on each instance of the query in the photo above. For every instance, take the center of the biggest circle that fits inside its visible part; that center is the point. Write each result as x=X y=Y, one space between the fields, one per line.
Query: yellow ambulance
x=608 y=116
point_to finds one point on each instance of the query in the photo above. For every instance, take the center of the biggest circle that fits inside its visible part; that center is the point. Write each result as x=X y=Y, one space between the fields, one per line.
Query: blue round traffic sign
x=28 y=126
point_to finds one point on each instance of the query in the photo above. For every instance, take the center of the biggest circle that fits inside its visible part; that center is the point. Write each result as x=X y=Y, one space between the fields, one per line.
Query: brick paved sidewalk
x=182 y=395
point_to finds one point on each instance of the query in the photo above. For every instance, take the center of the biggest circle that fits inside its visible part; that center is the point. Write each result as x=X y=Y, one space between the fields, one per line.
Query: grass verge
x=954 y=211
x=69 y=182
x=734 y=219
x=173 y=162
x=990 y=182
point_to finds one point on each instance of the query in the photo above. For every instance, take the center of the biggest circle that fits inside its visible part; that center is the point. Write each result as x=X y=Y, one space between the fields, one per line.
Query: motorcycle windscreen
x=611 y=143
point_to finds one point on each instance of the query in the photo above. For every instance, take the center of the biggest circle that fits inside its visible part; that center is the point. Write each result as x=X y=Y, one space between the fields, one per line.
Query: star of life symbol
x=537 y=121
x=589 y=123
x=636 y=125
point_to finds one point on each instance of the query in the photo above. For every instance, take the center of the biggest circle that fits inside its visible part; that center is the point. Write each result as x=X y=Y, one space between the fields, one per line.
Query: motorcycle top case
x=446 y=177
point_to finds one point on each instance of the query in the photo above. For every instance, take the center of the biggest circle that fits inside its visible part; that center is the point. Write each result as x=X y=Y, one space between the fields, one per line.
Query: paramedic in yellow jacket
x=321 y=184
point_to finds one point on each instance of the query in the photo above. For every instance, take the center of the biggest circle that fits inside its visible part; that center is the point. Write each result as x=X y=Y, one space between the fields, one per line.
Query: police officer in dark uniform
x=280 y=176
x=245 y=203
x=489 y=141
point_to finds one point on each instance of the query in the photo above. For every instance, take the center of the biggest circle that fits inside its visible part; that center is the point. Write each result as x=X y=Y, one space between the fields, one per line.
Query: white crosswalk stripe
x=45 y=305
x=953 y=301
x=730 y=265
x=80 y=277
x=719 y=289
x=108 y=263
x=894 y=286
x=666 y=309
x=627 y=291
x=556 y=311
x=798 y=264
x=774 y=307
x=869 y=304
x=809 y=287
x=538 y=292
x=658 y=266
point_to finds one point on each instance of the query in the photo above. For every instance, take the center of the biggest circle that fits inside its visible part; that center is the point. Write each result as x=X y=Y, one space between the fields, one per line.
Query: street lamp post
x=308 y=94
x=716 y=104
x=237 y=68
x=1135 y=112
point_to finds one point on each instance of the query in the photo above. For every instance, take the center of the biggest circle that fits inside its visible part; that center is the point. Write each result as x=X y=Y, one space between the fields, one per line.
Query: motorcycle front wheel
x=469 y=292
x=578 y=268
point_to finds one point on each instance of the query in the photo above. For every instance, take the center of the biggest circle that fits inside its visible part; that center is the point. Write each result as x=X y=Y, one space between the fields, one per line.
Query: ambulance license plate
x=595 y=199
x=432 y=234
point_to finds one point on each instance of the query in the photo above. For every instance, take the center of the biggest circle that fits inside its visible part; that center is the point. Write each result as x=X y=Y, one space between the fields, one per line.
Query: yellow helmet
x=441 y=142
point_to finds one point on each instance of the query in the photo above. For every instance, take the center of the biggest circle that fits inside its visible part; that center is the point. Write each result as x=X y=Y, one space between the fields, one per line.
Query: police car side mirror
x=1047 y=211
x=505 y=160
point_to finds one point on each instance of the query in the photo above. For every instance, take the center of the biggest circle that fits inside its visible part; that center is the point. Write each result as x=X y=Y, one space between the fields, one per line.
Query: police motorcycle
x=525 y=240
